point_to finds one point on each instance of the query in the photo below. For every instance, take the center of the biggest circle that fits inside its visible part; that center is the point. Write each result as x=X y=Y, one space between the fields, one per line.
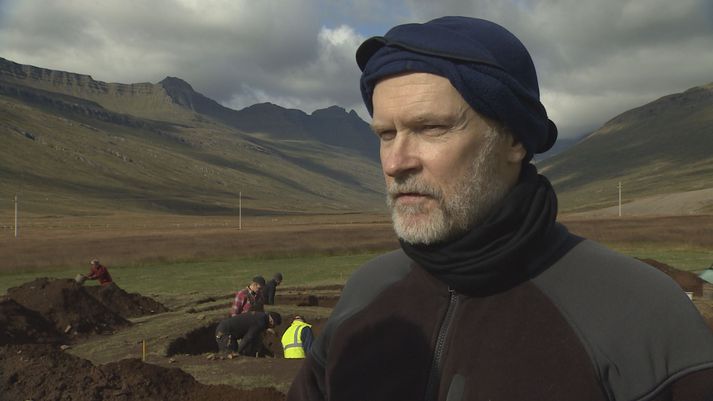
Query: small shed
x=707 y=275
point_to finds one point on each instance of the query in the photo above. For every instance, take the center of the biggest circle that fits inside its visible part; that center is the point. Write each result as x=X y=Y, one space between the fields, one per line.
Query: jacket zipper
x=434 y=376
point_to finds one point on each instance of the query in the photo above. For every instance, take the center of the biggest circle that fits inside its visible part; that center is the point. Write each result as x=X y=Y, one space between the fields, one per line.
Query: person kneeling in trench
x=243 y=333
x=297 y=339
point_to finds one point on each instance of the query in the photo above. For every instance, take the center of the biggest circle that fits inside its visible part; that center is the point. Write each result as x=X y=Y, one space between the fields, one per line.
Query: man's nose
x=400 y=156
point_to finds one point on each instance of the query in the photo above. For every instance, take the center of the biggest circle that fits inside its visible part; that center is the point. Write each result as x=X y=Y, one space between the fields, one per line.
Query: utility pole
x=15 y=215
x=240 y=210
x=619 y=198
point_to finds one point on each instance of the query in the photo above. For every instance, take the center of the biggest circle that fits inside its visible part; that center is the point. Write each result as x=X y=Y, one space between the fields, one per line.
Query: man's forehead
x=417 y=87
x=417 y=97
x=411 y=80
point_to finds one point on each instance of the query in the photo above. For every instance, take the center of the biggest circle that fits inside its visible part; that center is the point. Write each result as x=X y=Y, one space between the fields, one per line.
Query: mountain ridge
x=158 y=136
x=657 y=148
x=84 y=140
x=174 y=99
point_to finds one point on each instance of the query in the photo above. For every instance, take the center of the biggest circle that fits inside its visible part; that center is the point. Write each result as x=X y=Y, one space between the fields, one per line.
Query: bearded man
x=489 y=298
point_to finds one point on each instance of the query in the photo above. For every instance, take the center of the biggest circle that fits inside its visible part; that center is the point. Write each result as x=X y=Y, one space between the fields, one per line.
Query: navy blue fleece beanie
x=488 y=66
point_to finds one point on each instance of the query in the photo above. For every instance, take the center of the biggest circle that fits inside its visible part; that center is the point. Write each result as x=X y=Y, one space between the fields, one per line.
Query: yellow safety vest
x=291 y=341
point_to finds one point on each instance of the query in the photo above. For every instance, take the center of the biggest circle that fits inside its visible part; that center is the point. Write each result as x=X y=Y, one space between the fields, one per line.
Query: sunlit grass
x=682 y=258
x=212 y=277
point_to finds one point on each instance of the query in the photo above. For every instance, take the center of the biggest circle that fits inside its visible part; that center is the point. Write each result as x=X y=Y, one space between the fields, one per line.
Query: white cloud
x=330 y=78
x=594 y=59
x=598 y=59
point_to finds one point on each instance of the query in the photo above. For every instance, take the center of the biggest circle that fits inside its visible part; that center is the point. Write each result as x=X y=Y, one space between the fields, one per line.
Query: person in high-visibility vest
x=297 y=339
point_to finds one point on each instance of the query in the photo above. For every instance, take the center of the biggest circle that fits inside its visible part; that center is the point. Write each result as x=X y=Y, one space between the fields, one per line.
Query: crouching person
x=297 y=339
x=243 y=333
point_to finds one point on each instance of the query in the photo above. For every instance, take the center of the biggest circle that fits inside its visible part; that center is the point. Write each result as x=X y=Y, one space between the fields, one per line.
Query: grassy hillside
x=71 y=162
x=145 y=100
x=661 y=147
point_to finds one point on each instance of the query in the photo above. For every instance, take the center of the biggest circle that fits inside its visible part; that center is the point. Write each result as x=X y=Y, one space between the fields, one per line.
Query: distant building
x=707 y=274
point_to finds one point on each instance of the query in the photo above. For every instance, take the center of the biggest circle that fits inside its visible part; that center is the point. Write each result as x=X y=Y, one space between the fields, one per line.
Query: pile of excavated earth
x=42 y=372
x=38 y=319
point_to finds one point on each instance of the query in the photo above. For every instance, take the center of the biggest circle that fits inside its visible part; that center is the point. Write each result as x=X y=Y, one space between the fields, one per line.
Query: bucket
x=80 y=278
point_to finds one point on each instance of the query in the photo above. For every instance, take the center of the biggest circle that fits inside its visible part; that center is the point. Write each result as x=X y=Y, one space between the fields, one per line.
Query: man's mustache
x=413 y=186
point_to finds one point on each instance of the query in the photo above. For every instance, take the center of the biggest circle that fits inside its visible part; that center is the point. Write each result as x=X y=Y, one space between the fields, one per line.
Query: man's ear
x=516 y=152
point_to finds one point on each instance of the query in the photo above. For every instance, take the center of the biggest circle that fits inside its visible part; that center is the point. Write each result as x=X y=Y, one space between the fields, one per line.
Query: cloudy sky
x=595 y=59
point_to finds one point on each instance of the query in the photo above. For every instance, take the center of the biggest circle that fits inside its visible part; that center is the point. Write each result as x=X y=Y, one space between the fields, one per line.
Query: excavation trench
x=202 y=340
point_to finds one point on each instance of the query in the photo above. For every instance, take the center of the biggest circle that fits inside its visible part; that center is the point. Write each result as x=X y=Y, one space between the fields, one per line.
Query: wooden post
x=15 y=215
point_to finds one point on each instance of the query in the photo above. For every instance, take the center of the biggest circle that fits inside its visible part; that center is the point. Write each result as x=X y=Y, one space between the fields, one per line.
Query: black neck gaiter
x=512 y=245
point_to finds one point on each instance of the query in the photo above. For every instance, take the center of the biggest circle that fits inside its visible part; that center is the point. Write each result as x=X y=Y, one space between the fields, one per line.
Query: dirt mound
x=42 y=372
x=326 y=301
x=326 y=287
x=68 y=305
x=125 y=304
x=19 y=325
x=686 y=280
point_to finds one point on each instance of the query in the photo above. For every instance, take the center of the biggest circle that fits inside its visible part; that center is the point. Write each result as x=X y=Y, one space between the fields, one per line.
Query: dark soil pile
x=326 y=301
x=19 y=325
x=41 y=372
x=686 y=280
x=67 y=305
x=125 y=304
x=327 y=287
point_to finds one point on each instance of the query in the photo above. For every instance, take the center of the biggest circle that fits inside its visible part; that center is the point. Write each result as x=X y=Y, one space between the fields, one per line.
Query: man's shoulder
x=597 y=265
x=383 y=268
x=593 y=277
x=362 y=288
x=372 y=278
x=635 y=322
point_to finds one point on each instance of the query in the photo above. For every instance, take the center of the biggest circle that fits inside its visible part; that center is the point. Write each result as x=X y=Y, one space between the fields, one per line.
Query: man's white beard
x=473 y=197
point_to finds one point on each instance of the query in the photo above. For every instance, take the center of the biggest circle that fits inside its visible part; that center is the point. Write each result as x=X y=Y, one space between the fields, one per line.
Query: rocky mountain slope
x=90 y=145
x=663 y=147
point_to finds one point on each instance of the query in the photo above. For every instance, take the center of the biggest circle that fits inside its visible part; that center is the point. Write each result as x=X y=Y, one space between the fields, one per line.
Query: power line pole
x=619 y=198
x=15 y=215
x=240 y=210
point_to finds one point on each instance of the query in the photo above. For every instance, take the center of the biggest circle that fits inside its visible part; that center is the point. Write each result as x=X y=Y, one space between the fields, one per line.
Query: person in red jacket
x=99 y=272
x=249 y=298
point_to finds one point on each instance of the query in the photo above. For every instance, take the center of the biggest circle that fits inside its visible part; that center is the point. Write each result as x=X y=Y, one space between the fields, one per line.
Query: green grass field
x=211 y=277
x=169 y=280
x=690 y=259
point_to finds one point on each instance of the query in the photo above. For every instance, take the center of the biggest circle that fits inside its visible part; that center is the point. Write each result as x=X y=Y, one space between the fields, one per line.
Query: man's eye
x=386 y=135
x=434 y=129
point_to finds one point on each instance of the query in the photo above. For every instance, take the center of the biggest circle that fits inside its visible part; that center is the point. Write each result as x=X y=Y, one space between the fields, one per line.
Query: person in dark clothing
x=243 y=333
x=489 y=297
x=271 y=289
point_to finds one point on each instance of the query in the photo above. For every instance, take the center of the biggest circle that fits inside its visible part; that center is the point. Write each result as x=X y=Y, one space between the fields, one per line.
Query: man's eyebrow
x=376 y=127
x=424 y=118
